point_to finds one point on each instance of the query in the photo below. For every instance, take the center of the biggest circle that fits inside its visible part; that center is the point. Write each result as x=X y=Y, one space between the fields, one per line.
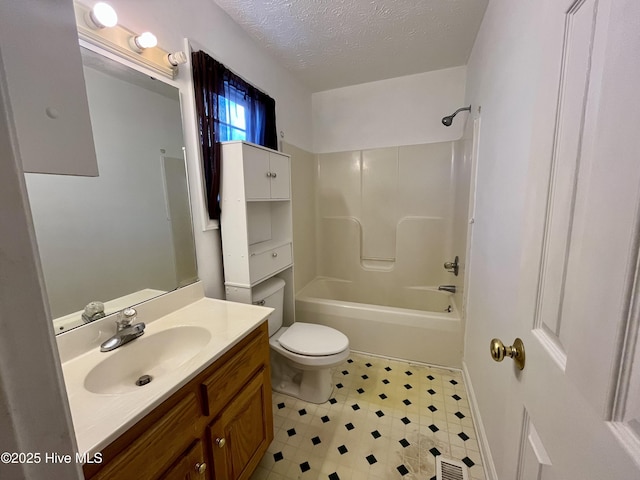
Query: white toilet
x=303 y=354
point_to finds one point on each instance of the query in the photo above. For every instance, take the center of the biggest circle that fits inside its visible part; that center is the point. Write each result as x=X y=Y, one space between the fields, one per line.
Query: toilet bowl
x=303 y=354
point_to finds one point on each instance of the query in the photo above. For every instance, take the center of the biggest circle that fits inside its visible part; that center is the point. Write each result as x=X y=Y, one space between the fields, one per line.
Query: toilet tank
x=270 y=293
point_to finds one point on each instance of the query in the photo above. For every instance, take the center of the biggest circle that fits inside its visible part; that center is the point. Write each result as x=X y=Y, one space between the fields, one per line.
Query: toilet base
x=314 y=386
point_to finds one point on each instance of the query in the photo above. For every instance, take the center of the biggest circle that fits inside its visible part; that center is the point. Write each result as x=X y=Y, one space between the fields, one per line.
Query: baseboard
x=485 y=452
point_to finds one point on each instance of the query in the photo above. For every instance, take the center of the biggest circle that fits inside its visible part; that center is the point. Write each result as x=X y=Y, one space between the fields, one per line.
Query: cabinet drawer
x=264 y=264
x=226 y=382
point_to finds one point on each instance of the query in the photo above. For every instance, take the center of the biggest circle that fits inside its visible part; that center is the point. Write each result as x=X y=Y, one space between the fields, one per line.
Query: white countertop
x=99 y=419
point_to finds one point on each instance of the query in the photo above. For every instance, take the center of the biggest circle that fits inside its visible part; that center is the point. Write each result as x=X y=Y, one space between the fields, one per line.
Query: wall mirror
x=125 y=236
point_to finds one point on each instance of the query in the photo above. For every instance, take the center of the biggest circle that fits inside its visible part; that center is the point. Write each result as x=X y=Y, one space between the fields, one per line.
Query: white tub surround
x=374 y=323
x=100 y=418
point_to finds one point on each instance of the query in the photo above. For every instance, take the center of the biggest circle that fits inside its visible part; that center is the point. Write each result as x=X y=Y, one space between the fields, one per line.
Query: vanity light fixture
x=144 y=40
x=102 y=15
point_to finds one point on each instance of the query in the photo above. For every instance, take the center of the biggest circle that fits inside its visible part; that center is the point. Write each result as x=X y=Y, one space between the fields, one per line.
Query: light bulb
x=145 y=40
x=102 y=15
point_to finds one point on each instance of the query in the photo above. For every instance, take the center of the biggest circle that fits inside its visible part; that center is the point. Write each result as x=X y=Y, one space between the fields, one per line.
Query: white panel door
x=579 y=261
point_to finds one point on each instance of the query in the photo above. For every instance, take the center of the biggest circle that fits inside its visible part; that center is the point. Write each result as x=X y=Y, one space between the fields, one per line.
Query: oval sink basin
x=155 y=355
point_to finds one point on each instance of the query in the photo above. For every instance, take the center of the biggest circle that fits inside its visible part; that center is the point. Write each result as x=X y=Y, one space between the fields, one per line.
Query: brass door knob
x=201 y=468
x=515 y=351
x=220 y=442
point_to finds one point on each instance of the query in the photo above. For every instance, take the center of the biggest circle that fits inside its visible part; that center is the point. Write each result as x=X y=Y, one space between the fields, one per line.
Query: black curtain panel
x=213 y=84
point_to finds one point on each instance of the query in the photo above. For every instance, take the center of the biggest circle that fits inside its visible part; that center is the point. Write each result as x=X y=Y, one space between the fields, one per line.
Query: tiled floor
x=386 y=420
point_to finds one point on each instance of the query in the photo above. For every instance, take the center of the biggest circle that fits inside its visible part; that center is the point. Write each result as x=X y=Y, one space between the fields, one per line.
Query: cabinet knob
x=274 y=175
x=269 y=174
x=274 y=254
x=220 y=442
x=201 y=468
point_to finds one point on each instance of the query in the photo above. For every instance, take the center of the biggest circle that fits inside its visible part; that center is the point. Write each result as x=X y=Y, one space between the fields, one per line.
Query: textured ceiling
x=335 y=43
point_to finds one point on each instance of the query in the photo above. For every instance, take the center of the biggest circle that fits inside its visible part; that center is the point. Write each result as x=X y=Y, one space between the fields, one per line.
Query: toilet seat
x=313 y=340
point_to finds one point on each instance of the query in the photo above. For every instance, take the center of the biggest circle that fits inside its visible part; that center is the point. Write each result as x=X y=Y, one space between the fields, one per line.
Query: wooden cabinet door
x=257 y=175
x=242 y=433
x=191 y=466
x=280 y=173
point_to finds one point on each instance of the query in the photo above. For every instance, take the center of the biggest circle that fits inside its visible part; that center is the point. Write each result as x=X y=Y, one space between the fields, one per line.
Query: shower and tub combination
x=389 y=223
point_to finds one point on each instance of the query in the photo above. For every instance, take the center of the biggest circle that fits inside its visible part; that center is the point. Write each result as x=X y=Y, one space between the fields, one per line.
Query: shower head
x=447 y=121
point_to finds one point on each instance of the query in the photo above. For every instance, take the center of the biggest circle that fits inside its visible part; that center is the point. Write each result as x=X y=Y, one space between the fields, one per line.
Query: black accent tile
x=349 y=426
x=460 y=415
x=349 y=361
x=360 y=391
x=342 y=449
x=371 y=459
x=278 y=456
x=408 y=372
x=368 y=365
x=431 y=377
x=407 y=386
x=435 y=452
x=385 y=381
x=339 y=385
x=364 y=377
x=433 y=428
x=383 y=396
x=388 y=369
x=325 y=419
x=456 y=397
x=380 y=413
x=468 y=462
x=316 y=440
x=403 y=470
x=432 y=408
x=406 y=401
x=404 y=442
x=376 y=434
x=302 y=412
x=305 y=467
x=333 y=401
x=405 y=420
x=291 y=432
x=281 y=405
x=431 y=391
x=345 y=372
x=334 y=476
x=463 y=436
x=355 y=406
x=453 y=382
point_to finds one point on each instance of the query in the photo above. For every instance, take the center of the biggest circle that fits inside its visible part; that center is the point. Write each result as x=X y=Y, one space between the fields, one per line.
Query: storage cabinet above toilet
x=256 y=220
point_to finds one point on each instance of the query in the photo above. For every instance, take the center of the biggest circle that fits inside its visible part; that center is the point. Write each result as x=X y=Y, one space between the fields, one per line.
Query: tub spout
x=448 y=288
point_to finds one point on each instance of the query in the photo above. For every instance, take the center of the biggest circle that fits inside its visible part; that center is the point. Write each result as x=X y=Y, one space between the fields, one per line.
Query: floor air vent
x=447 y=469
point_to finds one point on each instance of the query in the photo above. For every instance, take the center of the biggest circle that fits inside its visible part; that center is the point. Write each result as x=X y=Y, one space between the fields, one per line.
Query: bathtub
x=419 y=324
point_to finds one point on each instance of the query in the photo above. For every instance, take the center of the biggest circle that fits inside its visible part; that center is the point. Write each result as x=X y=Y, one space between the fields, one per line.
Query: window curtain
x=213 y=80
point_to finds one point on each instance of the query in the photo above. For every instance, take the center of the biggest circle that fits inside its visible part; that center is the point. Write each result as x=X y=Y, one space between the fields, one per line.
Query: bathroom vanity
x=206 y=414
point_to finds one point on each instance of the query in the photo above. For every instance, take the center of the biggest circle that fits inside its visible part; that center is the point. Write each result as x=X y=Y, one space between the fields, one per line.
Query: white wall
x=399 y=111
x=104 y=237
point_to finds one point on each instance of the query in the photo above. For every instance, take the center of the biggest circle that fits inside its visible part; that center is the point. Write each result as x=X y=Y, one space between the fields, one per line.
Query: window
x=228 y=108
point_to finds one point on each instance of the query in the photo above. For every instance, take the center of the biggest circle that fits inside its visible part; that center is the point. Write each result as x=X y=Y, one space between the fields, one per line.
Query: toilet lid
x=313 y=340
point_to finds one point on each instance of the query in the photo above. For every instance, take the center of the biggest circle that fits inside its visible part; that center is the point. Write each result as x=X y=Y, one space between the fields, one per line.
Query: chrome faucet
x=448 y=288
x=126 y=330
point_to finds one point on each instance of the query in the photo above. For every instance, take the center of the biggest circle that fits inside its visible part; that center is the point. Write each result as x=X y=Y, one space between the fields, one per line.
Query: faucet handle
x=127 y=317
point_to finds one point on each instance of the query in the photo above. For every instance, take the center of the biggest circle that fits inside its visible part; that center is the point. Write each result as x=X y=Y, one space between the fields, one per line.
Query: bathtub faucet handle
x=452 y=267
